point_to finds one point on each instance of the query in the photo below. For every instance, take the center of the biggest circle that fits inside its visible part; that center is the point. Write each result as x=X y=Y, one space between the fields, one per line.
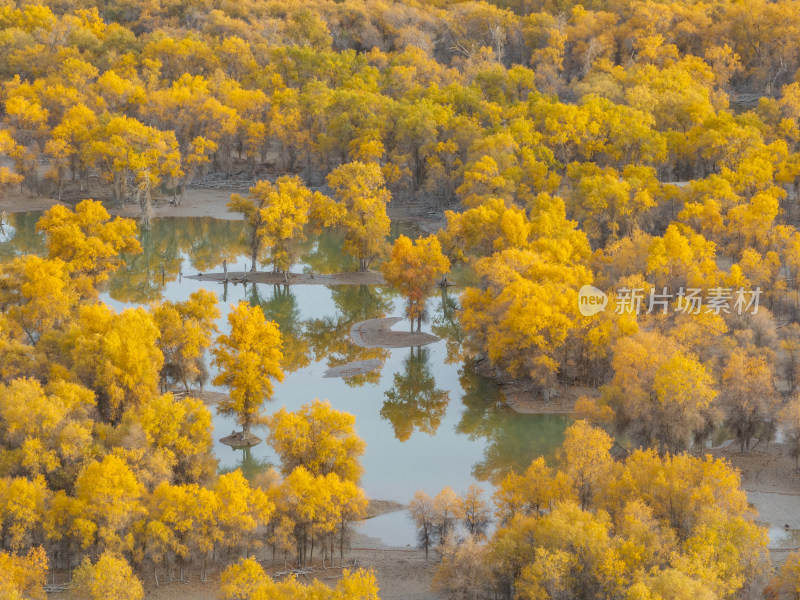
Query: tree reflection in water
x=282 y=308
x=413 y=402
x=19 y=235
x=512 y=440
x=329 y=337
x=445 y=325
x=204 y=241
x=250 y=465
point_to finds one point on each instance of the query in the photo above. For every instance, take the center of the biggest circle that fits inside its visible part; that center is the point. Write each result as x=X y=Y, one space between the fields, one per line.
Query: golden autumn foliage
x=278 y=215
x=88 y=241
x=114 y=354
x=359 y=210
x=110 y=577
x=23 y=577
x=247 y=580
x=36 y=295
x=318 y=438
x=248 y=359
x=626 y=145
x=94 y=460
x=185 y=334
x=647 y=526
x=180 y=432
x=413 y=268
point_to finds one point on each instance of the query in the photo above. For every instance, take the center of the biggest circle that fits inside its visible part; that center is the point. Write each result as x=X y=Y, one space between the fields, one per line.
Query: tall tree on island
x=249 y=359
x=277 y=215
x=359 y=209
x=413 y=269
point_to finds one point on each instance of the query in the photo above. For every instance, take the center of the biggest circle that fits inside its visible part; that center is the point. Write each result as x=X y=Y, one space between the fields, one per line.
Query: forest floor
x=402 y=574
x=529 y=402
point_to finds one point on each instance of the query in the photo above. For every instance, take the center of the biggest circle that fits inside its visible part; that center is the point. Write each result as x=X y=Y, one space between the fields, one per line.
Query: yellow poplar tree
x=110 y=577
x=362 y=203
x=283 y=212
x=115 y=355
x=413 y=269
x=242 y=509
x=319 y=438
x=23 y=577
x=110 y=500
x=88 y=241
x=586 y=458
x=186 y=329
x=36 y=294
x=248 y=358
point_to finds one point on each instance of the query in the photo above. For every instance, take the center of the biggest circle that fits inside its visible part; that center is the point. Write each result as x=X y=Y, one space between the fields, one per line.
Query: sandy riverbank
x=203 y=202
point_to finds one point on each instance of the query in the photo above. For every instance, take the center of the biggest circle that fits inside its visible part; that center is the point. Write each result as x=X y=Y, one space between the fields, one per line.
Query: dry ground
x=402 y=574
x=202 y=202
x=772 y=482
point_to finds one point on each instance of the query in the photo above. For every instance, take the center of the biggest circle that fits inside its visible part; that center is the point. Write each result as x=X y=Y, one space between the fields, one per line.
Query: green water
x=428 y=421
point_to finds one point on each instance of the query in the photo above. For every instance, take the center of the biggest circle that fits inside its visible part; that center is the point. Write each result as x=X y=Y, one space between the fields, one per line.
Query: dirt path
x=377 y=333
x=196 y=203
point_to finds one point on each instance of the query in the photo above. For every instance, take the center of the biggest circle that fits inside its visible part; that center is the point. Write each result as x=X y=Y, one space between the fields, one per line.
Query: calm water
x=428 y=421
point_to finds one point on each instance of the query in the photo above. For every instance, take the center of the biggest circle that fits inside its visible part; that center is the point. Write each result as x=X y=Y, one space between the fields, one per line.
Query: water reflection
x=281 y=306
x=19 y=235
x=445 y=324
x=248 y=463
x=469 y=431
x=142 y=277
x=414 y=402
x=173 y=246
x=329 y=336
x=512 y=440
